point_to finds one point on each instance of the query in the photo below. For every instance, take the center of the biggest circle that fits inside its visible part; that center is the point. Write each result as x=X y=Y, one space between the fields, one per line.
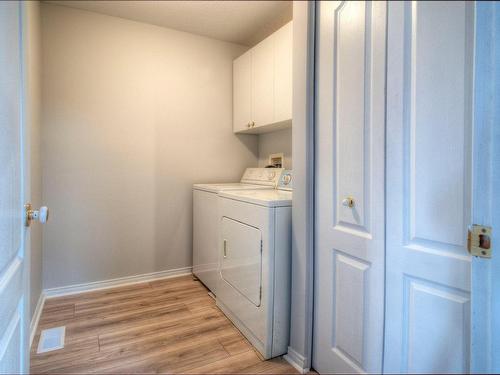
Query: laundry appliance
x=253 y=288
x=206 y=219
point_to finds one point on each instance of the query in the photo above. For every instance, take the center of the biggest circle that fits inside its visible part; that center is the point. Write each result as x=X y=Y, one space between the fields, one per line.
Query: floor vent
x=51 y=339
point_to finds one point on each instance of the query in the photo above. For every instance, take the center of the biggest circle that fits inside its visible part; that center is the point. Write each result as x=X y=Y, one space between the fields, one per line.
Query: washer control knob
x=287 y=179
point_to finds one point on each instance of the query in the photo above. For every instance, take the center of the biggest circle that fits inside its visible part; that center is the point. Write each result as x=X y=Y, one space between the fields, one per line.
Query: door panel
x=10 y=361
x=350 y=291
x=263 y=82
x=428 y=186
x=242 y=92
x=349 y=277
x=241 y=265
x=428 y=335
x=283 y=46
x=13 y=301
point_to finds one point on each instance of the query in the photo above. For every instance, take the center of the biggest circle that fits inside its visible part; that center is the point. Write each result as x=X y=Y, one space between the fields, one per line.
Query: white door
x=349 y=254
x=13 y=274
x=429 y=113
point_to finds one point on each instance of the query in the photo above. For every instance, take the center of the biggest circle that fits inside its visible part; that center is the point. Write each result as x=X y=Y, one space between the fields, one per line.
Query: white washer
x=254 y=279
x=206 y=219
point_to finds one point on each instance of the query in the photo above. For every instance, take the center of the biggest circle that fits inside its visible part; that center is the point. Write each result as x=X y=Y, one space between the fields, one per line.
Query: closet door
x=429 y=118
x=349 y=254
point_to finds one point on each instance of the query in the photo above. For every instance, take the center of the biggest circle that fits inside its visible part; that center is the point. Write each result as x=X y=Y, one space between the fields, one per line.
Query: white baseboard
x=36 y=316
x=297 y=361
x=105 y=284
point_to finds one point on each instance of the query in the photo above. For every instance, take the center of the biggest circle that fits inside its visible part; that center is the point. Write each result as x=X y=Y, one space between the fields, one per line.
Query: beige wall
x=32 y=61
x=133 y=115
x=274 y=143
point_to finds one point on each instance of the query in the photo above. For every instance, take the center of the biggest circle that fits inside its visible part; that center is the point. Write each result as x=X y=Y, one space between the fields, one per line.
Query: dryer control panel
x=262 y=176
x=286 y=180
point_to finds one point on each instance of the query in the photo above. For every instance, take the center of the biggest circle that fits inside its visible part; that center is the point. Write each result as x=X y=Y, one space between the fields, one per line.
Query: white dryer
x=206 y=219
x=254 y=279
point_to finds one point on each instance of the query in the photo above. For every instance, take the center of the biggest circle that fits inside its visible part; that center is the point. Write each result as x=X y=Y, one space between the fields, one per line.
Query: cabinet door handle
x=249 y=125
x=253 y=124
x=225 y=248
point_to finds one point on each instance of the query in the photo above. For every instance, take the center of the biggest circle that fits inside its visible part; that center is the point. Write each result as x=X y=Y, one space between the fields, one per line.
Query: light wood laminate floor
x=164 y=326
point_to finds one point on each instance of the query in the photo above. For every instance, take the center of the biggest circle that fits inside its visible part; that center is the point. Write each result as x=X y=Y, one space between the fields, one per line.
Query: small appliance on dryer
x=254 y=279
x=206 y=219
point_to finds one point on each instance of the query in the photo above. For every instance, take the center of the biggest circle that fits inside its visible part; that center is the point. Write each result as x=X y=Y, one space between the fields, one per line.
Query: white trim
x=36 y=316
x=297 y=361
x=121 y=281
x=301 y=314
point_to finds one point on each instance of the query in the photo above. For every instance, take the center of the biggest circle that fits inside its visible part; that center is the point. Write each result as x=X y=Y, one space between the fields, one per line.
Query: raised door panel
x=351 y=118
x=283 y=44
x=429 y=183
x=263 y=82
x=438 y=124
x=436 y=318
x=350 y=309
x=242 y=92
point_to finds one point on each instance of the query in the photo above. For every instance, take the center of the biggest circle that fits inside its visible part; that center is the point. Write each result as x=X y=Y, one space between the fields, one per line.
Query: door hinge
x=260 y=293
x=261 y=246
x=479 y=241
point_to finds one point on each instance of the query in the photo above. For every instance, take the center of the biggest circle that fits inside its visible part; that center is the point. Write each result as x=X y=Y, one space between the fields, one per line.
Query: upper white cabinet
x=262 y=85
x=242 y=91
x=283 y=73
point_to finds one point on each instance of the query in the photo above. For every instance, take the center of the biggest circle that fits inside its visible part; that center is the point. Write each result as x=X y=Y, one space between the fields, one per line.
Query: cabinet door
x=242 y=92
x=263 y=82
x=283 y=73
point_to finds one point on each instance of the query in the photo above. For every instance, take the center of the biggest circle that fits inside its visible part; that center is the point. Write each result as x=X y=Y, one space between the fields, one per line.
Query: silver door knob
x=42 y=215
x=348 y=202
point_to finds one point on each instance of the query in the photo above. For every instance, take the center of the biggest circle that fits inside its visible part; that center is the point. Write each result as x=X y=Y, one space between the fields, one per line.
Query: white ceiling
x=242 y=22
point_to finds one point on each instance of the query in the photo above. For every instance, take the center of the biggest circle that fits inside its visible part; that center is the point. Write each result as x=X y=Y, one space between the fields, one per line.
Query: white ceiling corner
x=242 y=22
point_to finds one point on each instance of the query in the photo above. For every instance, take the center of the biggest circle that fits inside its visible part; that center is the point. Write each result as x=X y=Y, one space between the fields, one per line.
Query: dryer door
x=241 y=265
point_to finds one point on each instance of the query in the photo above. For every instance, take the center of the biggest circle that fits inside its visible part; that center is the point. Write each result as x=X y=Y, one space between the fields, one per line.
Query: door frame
x=26 y=178
x=485 y=306
x=301 y=315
